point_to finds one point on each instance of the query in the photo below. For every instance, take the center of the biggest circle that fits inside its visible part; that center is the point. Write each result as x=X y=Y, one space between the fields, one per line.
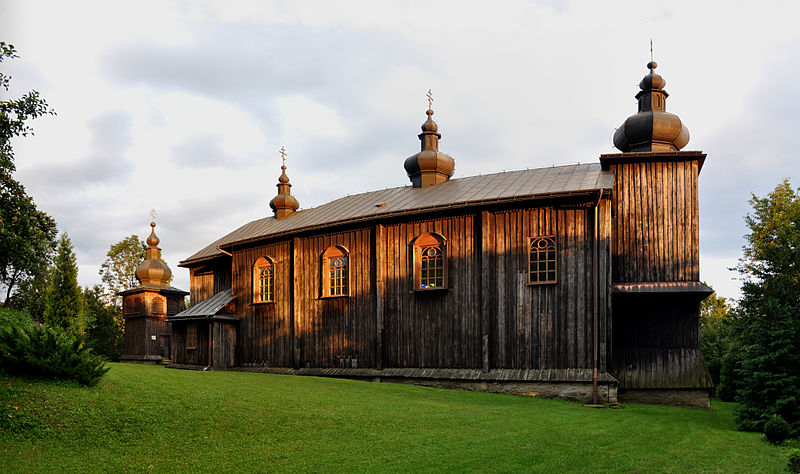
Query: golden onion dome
x=284 y=203
x=430 y=166
x=652 y=128
x=152 y=271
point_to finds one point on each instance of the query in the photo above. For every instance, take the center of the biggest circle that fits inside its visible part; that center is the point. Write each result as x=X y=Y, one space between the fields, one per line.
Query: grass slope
x=152 y=418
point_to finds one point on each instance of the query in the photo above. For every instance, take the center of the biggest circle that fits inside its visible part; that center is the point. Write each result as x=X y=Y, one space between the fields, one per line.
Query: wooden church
x=577 y=281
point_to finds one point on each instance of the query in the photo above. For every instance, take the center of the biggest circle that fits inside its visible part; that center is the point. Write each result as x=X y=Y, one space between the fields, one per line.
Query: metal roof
x=463 y=192
x=207 y=308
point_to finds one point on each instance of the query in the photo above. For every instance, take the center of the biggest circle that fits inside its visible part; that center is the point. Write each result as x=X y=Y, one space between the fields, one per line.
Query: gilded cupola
x=284 y=203
x=430 y=166
x=652 y=129
x=153 y=271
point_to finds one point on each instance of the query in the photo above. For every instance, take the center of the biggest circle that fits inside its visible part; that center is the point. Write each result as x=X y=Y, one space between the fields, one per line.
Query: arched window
x=430 y=262
x=335 y=272
x=263 y=281
x=542 y=260
x=157 y=306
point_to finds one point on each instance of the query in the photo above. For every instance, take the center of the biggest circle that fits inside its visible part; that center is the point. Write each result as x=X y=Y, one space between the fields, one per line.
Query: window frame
x=260 y=264
x=420 y=244
x=551 y=239
x=191 y=336
x=330 y=254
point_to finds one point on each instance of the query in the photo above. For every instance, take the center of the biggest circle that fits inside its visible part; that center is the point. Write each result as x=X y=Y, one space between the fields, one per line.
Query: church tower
x=145 y=307
x=429 y=167
x=655 y=254
x=284 y=203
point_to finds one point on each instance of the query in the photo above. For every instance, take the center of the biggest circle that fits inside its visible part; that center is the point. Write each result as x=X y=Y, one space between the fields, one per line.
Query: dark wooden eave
x=650 y=156
x=696 y=288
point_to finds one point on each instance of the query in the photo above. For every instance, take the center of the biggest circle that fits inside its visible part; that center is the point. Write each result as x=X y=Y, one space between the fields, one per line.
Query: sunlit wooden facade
x=573 y=281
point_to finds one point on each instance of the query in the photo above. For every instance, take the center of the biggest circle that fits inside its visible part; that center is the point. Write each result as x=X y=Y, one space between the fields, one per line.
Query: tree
x=30 y=295
x=104 y=328
x=715 y=333
x=769 y=333
x=118 y=271
x=27 y=235
x=64 y=302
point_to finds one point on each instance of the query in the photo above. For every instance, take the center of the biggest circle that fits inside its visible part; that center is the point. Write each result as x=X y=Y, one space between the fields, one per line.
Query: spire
x=652 y=129
x=429 y=167
x=152 y=271
x=284 y=203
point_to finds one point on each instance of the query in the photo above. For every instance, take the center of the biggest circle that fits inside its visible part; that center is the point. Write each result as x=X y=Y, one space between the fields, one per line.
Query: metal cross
x=153 y=214
x=651 y=50
x=283 y=155
x=430 y=99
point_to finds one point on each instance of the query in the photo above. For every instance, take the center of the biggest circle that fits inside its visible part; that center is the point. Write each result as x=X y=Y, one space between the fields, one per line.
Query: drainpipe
x=595 y=290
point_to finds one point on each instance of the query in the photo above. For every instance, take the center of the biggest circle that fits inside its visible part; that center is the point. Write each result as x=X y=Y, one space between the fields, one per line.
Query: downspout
x=595 y=290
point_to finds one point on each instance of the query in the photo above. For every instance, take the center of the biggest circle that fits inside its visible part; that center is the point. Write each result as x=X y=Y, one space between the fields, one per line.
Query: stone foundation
x=576 y=392
x=682 y=398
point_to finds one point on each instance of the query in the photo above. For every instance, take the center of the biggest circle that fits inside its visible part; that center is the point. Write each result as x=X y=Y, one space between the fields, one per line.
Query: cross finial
x=283 y=156
x=153 y=214
x=651 y=50
x=430 y=99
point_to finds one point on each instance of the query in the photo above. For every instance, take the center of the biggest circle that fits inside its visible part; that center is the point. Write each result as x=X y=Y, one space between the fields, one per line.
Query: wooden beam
x=485 y=288
x=380 y=288
x=293 y=295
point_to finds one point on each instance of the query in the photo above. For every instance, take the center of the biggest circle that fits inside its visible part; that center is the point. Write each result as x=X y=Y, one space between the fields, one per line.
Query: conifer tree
x=64 y=302
x=769 y=338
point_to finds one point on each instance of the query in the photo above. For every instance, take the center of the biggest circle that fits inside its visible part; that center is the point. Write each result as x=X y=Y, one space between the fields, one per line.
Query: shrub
x=10 y=317
x=776 y=429
x=37 y=351
x=794 y=460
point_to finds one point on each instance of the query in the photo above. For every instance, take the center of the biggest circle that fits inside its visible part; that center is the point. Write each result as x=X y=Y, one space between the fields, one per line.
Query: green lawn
x=141 y=418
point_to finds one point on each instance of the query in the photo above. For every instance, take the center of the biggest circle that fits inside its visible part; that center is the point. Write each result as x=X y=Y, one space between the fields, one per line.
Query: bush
x=794 y=460
x=10 y=317
x=777 y=429
x=37 y=351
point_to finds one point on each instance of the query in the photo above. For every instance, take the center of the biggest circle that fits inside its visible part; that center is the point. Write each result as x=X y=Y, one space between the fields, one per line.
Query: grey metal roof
x=207 y=308
x=463 y=192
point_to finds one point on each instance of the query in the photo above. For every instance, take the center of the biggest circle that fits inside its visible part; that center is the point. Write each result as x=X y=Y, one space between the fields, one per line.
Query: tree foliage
x=768 y=337
x=27 y=235
x=64 y=302
x=118 y=271
x=716 y=321
x=104 y=324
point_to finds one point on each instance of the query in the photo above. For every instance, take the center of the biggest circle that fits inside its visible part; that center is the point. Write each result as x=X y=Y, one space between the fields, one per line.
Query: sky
x=183 y=106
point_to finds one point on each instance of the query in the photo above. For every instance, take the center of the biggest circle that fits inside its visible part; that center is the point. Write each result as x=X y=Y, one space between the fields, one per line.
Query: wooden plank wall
x=439 y=328
x=201 y=285
x=488 y=316
x=224 y=344
x=656 y=339
x=181 y=355
x=656 y=228
x=340 y=331
x=547 y=325
x=264 y=328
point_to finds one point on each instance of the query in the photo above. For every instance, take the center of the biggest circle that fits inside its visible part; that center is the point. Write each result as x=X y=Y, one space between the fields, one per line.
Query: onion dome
x=430 y=166
x=284 y=203
x=153 y=271
x=652 y=129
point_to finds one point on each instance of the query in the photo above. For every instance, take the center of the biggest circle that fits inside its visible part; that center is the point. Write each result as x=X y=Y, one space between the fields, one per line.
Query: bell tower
x=145 y=307
x=655 y=233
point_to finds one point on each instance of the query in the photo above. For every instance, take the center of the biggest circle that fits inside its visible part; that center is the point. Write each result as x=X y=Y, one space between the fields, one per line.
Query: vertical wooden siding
x=434 y=328
x=264 y=328
x=655 y=225
x=547 y=325
x=338 y=331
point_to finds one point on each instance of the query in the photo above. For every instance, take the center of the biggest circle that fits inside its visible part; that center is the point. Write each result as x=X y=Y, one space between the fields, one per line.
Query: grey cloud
x=201 y=152
x=106 y=163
